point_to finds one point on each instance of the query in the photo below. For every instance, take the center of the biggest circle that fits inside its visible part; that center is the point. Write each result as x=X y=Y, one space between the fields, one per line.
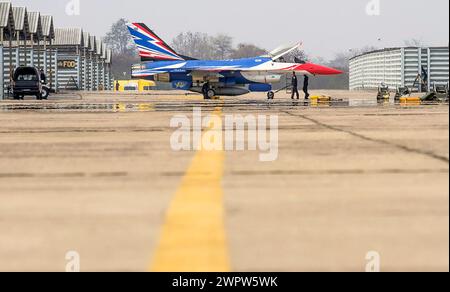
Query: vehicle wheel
x=39 y=96
x=45 y=93
x=211 y=93
x=16 y=96
x=22 y=97
x=270 y=95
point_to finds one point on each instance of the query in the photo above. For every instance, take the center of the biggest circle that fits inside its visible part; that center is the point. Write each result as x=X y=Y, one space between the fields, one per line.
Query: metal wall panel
x=2 y=86
x=68 y=77
x=399 y=67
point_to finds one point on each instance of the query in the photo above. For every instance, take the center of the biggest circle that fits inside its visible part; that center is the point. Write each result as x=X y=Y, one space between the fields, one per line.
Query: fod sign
x=67 y=64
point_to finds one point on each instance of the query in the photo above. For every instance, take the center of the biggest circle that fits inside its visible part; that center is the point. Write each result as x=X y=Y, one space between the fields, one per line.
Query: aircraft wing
x=216 y=68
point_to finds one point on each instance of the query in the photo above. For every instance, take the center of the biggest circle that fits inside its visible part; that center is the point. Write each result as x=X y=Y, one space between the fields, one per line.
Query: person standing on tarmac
x=305 y=87
x=205 y=90
x=43 y=76
x=295 y=86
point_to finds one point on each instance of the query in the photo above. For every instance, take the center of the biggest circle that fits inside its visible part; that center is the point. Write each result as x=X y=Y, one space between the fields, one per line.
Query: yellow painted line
x=193 y=236
x=145 y=107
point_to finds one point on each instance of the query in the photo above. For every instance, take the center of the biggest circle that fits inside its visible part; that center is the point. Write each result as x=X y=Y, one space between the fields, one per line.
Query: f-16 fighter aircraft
x=223 y=77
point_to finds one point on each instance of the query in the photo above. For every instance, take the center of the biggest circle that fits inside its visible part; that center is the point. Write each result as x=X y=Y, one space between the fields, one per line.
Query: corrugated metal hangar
x=72 y=58
x=400 y=67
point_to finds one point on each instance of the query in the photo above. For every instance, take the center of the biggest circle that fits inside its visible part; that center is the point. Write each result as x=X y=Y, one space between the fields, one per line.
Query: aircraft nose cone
x=322 y=70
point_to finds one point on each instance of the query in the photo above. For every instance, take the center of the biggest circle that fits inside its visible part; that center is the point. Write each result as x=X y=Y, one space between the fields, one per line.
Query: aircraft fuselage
x=228 y=77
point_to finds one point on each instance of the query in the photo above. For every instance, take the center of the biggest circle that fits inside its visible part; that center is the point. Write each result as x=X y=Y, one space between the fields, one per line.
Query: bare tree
x=119 y=40
x=247 y=51
x=414 y=43
x=341 y=61
x=223 y=45
x=197 y=45
x=356 y=52
x=202 y=46
x=296 y=55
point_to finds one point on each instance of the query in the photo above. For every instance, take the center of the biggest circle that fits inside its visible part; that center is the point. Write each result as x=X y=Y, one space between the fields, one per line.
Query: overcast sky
x=325 y=26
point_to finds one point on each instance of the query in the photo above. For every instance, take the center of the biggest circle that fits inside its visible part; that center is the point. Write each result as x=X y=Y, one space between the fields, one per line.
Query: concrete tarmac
x=96 y=174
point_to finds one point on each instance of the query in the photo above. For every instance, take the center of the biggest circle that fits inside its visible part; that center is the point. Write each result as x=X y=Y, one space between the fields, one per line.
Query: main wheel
x=45 y=93
x=210 y=93
x=16 y=96
x=270 y=95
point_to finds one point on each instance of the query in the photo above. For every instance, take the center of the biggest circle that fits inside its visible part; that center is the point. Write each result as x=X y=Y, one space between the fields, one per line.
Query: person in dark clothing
x=117 y=86
x=205 y=89
x=295 y=86
x=43 y=77
x=305 y=87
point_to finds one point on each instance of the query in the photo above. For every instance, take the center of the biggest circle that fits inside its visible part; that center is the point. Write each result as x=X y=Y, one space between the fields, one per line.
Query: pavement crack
x=339 y=172
x=429 y=154
x=63 y=175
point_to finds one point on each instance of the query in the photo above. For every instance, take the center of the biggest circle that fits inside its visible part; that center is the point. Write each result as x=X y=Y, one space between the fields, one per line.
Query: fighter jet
x=220 y=77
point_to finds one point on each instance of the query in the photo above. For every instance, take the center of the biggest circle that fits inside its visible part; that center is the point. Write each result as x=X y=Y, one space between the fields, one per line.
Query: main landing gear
x=210 y=94
x=207 y=91
x=270 y=95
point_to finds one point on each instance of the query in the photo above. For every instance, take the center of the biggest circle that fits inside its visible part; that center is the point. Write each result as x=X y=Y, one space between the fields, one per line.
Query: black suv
x=29 y=81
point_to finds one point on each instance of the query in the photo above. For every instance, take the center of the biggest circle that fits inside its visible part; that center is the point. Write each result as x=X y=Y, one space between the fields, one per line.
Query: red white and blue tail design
x=150 y=46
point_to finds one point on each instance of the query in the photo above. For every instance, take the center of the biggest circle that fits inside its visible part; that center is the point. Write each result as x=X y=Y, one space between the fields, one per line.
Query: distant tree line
x=203 y=46
x=119 y=40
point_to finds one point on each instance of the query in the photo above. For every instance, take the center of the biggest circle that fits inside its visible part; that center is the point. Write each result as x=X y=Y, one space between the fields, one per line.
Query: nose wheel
x=270 y=95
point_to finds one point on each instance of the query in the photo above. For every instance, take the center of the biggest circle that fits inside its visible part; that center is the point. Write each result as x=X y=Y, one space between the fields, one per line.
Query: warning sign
x=67 y=64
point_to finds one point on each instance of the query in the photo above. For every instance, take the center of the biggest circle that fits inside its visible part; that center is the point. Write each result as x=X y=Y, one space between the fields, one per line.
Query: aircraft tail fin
x=150 y=46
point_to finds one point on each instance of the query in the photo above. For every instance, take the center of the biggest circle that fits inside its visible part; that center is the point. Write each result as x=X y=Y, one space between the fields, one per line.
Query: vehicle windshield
x=26 y=74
